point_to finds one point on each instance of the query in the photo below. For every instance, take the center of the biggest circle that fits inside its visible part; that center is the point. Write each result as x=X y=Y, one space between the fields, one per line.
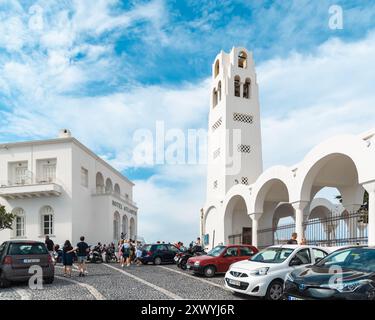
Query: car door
x=318 y=254
x=301 y=259
x=172 y=251
x=228 y=257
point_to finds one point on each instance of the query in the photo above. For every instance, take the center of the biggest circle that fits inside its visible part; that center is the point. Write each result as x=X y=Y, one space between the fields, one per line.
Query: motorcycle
x=182 y=258
x=95 y=256
x=110 y=255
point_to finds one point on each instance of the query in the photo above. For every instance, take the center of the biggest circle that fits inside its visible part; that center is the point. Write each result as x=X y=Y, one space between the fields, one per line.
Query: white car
x=264 y=274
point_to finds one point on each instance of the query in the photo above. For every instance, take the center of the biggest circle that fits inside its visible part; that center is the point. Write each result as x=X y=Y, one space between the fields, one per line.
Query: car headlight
x=197 y=263
x=260 y=272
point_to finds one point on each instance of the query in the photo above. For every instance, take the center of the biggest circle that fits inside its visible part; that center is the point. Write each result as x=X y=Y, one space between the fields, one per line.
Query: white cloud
x=304 y=99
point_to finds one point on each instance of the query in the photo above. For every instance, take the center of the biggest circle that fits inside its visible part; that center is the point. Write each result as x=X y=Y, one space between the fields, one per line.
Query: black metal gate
x=338 y=230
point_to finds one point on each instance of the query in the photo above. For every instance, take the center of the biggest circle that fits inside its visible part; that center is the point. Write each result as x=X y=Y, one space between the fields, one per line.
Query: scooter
x=110 y=256
x=94 y=256
x=183 y=257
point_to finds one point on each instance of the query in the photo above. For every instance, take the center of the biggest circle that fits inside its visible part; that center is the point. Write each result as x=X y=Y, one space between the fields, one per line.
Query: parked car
x=16 y=257
x=346 y=274
x=182 y=258
x=264 y=274
x=158 y=253
x=219 y=259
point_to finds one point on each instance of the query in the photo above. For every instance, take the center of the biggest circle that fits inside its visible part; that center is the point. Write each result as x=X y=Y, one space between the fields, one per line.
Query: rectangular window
x=46 y=170
x=47 y=224
x=241 y=117
x=84 y=177
x=20 y=226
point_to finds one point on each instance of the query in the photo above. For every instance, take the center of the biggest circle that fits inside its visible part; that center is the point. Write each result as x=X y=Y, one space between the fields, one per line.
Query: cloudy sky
x=106 y=69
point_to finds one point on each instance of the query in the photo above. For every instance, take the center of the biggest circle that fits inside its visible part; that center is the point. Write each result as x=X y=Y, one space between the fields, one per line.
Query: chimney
x=65 y=133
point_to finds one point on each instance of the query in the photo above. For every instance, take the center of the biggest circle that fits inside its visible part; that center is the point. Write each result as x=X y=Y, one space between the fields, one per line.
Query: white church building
x=60 y=188
x=243 y=201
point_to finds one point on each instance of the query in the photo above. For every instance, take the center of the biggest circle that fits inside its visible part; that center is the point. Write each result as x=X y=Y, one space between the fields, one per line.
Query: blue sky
x=106 y=68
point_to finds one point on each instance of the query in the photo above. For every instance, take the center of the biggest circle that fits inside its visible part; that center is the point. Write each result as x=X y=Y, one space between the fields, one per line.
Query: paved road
x=111 y=282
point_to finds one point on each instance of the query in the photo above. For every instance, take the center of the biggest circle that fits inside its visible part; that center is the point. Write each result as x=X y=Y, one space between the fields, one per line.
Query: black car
x=158 y=253
x=346 y=274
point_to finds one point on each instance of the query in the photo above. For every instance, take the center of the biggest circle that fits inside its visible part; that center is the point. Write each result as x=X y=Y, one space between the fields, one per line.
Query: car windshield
x=27 y=249
x=272 y=255
x=358 y=259
x=217 y=251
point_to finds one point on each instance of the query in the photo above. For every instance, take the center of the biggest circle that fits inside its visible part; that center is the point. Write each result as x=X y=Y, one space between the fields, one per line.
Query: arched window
x=219 y=90
x=19 y=223
x=116 y=226
x=132 y=229
x=217 y=68
x=214 y=98
x=124 y=228
x=117 y=189
x=246 y=88
x=47 y=220
x=108 y=186
x=99 y=183
x=237 y=86
x=242 y=60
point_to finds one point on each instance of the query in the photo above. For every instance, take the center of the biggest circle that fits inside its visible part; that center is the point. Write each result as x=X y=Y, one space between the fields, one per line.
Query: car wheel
x=4 y=283
x=49 y=280
x=157 y=261
x=209 y=271
x=275 y=290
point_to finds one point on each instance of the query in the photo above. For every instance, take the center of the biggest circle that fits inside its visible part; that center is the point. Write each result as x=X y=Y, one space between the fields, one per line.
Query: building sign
x=121 y=207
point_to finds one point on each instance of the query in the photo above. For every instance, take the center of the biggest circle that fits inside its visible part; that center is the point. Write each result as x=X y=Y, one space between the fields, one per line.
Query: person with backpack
x=125 y=251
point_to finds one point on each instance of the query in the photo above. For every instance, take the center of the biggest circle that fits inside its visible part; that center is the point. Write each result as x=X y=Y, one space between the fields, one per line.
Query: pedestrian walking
x=82 y=250
x=293 y=240
x=125 y=250
x=138 y=255
x=50 y=247
x=67 y=258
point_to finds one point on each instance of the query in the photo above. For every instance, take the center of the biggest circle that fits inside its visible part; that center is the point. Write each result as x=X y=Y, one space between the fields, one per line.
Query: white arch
x=346 y=146
x=108 y=186
x=117 y=189
x=274 y=176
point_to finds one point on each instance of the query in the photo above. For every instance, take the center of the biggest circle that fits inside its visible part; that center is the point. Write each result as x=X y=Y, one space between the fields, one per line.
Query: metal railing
x=18 y=182
x=338 y=230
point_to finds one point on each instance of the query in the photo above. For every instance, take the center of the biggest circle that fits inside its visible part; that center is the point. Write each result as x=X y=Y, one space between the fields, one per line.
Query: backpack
x=124 y=250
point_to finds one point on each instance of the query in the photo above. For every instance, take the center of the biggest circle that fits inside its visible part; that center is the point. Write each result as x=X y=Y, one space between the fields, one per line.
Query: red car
x=219 y=259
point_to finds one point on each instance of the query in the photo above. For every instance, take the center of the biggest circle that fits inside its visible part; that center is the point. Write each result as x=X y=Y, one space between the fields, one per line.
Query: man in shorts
x=82 y=250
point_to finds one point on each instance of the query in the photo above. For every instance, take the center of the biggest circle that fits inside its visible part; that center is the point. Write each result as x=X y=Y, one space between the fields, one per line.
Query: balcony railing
x=21 y=188
x=101 y=191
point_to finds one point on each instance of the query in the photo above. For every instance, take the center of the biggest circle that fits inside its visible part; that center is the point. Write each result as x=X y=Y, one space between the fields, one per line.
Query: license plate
x=291 y=298
x=234 y=283
x=188 y=267
x=31 y=260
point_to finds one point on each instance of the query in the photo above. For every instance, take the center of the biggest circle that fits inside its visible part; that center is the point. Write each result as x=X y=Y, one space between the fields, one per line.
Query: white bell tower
x=234 y=133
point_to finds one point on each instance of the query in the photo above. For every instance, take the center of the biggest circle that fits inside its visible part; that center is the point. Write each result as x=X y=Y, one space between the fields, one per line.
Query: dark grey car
x=16 y=258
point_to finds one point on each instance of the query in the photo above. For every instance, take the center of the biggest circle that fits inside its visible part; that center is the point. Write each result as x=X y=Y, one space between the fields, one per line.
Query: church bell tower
x=234 y=132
